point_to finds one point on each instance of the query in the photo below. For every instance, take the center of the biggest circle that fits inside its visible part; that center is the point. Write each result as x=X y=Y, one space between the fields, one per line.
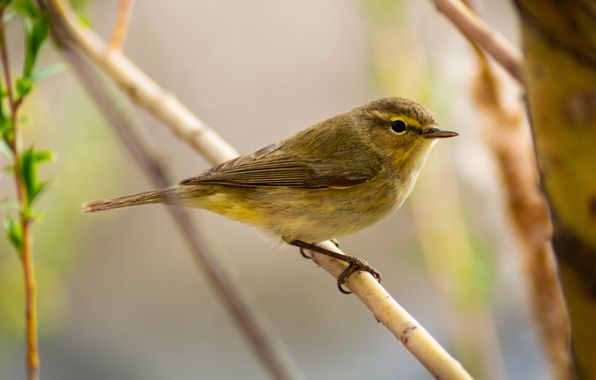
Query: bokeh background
x=120 y=295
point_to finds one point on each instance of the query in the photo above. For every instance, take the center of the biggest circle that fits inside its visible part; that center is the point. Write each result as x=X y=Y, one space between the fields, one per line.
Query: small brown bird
x=332 y=179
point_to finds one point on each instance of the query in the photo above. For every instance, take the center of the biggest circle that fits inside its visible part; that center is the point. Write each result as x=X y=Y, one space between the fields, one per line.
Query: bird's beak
x=436 y=133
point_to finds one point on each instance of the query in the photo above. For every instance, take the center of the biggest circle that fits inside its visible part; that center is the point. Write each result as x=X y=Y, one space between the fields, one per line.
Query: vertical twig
x=24 y=218
x=121 y=27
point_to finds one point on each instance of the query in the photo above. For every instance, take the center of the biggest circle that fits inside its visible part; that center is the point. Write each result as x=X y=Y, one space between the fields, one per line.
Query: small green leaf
x=43 y=156
x=28 y=173
x=5 y=127
x=36 y=32
x=85 y=21
x=25 y=8
x=24 y=86
x=28 y=161
x=14 y=232
x=44 y=72
x=38 y=188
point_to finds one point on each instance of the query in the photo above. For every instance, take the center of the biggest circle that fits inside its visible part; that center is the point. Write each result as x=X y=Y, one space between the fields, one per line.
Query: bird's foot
x=308 y=257
x=354 y=264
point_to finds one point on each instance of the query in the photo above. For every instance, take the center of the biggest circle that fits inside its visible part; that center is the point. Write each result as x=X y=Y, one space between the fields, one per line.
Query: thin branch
x=147 y=94
x=24 y=219
x=395 y=318
x=476 y=30
x=122 y=23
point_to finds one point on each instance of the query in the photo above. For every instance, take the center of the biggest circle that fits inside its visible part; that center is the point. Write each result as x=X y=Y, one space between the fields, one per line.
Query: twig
x=24 y=219
x=121 y=27
x=143 y=90
x=191 y=130
x=395 y=318
x=475 y=29
x=269 y=349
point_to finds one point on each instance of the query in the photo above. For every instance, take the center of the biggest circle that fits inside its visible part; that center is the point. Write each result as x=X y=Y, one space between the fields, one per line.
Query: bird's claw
x=355 y=264
x=304 y=254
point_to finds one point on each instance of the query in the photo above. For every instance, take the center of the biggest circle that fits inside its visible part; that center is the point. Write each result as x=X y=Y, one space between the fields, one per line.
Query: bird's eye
x=398 y=126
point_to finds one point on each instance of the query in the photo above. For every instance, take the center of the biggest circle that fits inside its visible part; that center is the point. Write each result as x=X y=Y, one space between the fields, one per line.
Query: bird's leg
x=308 y=257
x=354 y=263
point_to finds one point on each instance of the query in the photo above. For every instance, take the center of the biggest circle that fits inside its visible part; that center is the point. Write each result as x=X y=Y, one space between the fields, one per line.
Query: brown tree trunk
x=559 y=44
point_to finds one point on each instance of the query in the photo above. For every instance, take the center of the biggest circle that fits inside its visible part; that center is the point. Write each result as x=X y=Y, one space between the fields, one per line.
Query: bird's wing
x=271 y=167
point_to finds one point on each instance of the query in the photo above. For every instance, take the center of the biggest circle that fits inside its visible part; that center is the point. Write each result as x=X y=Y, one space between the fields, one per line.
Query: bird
x=330 y=180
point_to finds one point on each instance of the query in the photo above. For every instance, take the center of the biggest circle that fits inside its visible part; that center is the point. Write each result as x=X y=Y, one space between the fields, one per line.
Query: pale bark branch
x=395 y=318
x=478 y=31
x=143 y=90
x=148 y=95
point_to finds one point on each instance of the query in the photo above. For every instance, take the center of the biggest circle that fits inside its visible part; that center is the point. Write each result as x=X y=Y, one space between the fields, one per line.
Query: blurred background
x=120 y=296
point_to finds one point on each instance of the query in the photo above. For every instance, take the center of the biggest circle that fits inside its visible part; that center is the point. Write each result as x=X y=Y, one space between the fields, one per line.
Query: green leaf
x=28 y=161
x=44 y=72
x=28 y=173
x=25 y=8
x=43 y=156
x=14 y=232
x=85 y=21
x=24 y=86
x=6 y=130
x=38 y=188
x=36 y=33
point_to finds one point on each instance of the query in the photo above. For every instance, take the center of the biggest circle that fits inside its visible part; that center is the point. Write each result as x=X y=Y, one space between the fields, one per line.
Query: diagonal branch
x=147 y=94
x=480 y=33
x=143 y=90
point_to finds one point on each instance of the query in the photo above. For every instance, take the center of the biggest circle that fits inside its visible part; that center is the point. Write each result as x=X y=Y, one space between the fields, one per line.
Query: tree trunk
x=559 y=44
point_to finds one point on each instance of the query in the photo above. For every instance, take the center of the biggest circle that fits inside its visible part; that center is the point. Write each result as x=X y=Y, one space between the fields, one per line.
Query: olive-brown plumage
x=329 y=180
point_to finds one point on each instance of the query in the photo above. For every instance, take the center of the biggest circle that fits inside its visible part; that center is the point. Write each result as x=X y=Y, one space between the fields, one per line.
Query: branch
x=143 y=90
x=25 y=220
x=121 y=27
x=191 y=130
x=480 y=33
x=395 y=318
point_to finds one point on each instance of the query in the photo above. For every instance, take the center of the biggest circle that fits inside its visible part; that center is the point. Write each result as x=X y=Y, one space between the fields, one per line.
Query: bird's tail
x=147 y=197
x=168 y=195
